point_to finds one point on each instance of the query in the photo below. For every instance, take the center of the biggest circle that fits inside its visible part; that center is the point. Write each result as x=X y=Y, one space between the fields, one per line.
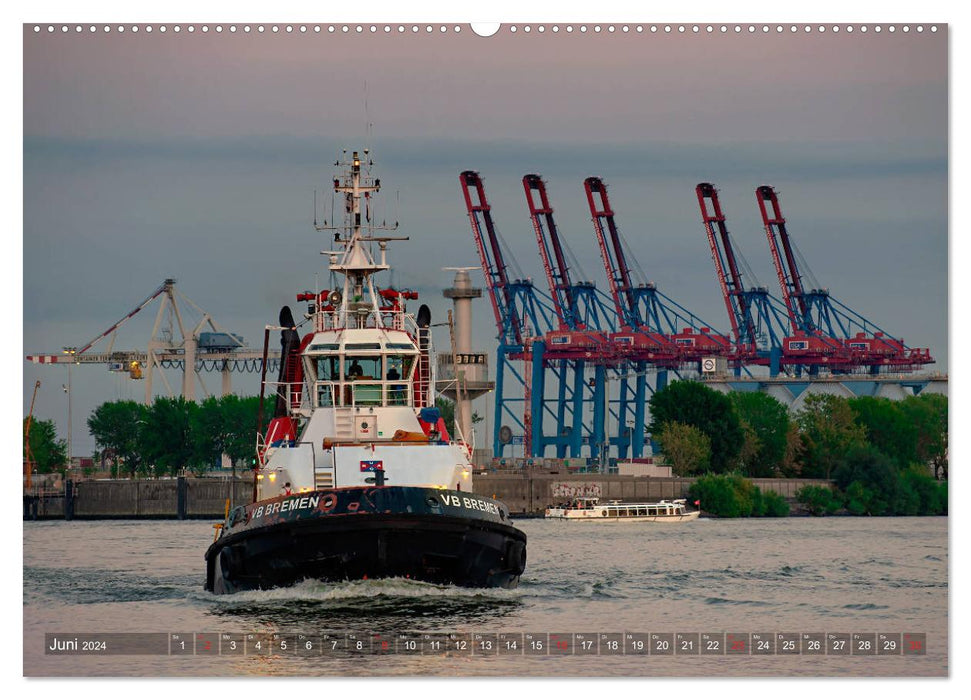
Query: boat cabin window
x=398 y=368
x=328 y=369
x=358 y=367
x=358 y=379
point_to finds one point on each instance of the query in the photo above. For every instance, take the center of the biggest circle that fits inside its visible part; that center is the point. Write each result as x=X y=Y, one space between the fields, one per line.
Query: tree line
x=885 y=457
x=173 y=435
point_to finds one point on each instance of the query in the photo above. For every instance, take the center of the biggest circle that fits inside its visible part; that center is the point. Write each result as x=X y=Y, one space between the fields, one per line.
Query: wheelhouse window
x=362 y=367
x=362 y=375
x=398 y=369
x=328 y=369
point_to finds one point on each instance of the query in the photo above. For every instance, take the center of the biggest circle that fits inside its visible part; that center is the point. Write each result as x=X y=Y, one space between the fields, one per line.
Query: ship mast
x=356 y=261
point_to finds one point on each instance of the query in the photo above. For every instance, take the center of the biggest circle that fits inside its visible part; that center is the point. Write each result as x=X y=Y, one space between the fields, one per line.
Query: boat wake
x=349 y=591
x=351 y=603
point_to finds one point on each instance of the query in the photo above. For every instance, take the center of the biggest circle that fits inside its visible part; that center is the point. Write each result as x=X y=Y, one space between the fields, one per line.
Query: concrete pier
x=526 y=492
x=182 y=498
x=529 y=493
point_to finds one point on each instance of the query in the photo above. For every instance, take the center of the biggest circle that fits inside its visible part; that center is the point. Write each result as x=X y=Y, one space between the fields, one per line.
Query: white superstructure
x=364 y=377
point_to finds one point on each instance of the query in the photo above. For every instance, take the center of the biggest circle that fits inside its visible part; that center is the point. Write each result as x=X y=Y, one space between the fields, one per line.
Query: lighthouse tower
x=463 y=373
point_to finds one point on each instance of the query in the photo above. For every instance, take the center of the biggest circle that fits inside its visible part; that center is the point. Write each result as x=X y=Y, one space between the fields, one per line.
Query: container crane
x=655 y=331
x=822 y=325
x=759 y=322
x=655 y=328
x=522 y=318
x=583 y=333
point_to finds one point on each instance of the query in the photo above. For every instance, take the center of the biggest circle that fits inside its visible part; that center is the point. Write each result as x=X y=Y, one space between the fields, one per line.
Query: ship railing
x=292 y=392
x=387 y=318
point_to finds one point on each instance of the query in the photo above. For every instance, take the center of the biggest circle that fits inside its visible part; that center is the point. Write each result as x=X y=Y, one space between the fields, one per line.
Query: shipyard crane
x=521 y=315
x=583 y=335
x=194 y=351
x=821 y=324
x=655 y=328
x=759 y=322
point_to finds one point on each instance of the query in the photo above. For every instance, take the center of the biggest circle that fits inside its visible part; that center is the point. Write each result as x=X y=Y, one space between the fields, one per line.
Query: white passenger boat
x=591 y=509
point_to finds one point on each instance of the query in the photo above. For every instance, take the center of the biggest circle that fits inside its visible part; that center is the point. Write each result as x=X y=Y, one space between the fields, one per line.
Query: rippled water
x=880 y=575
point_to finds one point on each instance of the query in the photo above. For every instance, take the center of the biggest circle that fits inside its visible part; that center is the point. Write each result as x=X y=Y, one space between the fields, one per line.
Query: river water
x=709 y=577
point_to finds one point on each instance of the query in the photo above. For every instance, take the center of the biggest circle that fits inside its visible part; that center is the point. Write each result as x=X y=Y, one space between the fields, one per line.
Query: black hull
x=436 y=547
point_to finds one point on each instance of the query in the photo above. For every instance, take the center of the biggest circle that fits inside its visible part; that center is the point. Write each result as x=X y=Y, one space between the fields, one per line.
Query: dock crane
x=583 y=334
x=822 y=324
x=193 y=352
x=759 y=321
x=656 y=329
x=522 y=316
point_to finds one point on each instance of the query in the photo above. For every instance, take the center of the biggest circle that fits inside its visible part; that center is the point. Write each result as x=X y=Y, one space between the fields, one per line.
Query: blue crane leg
x=537 y=399
x=576 y=433
x=498 y=411
x=640 y=399
x=561 y=441
x=623 y=434
x=600 y=386
x=775 y=360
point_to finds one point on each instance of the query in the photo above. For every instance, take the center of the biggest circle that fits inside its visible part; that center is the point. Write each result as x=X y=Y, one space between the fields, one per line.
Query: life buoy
x=328 y=502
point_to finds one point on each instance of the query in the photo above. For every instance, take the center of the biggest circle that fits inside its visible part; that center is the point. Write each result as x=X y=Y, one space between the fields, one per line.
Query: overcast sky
x=195 y=157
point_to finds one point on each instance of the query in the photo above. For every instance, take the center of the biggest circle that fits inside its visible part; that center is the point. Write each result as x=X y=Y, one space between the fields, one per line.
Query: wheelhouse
x=361 y=372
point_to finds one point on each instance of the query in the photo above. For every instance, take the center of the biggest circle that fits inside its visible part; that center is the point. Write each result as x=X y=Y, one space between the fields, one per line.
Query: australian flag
x=372 y=465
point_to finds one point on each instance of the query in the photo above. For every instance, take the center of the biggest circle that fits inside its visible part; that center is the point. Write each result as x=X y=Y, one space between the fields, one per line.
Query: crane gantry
x=173 y=344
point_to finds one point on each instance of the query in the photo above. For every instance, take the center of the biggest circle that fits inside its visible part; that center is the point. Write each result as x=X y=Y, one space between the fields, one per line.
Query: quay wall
x=180 y=498
x=526 y=492
x=529 y=492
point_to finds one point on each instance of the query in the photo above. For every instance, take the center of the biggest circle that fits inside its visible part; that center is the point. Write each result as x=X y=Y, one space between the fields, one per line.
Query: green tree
x=716 y=496
x=819 y=500
x=792 y=458
x=887 y=427
x=876 y=472
x=167 y=438
x=828 y=430
x=710 y=411
x=925 y=488
x=685 y=448
x=239 y=415
x=48 y=454
x=208 y=435
x=767 y=420
x=928 y=414
x=776 y=506
x=858 y=498
x=117 y=426
x=734 y=496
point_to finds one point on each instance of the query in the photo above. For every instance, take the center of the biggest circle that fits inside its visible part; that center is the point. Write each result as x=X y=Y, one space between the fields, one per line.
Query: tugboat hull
x=432 y=535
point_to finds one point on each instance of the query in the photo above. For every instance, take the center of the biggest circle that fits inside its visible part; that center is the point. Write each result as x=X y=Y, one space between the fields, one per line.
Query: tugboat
x=357 y=476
